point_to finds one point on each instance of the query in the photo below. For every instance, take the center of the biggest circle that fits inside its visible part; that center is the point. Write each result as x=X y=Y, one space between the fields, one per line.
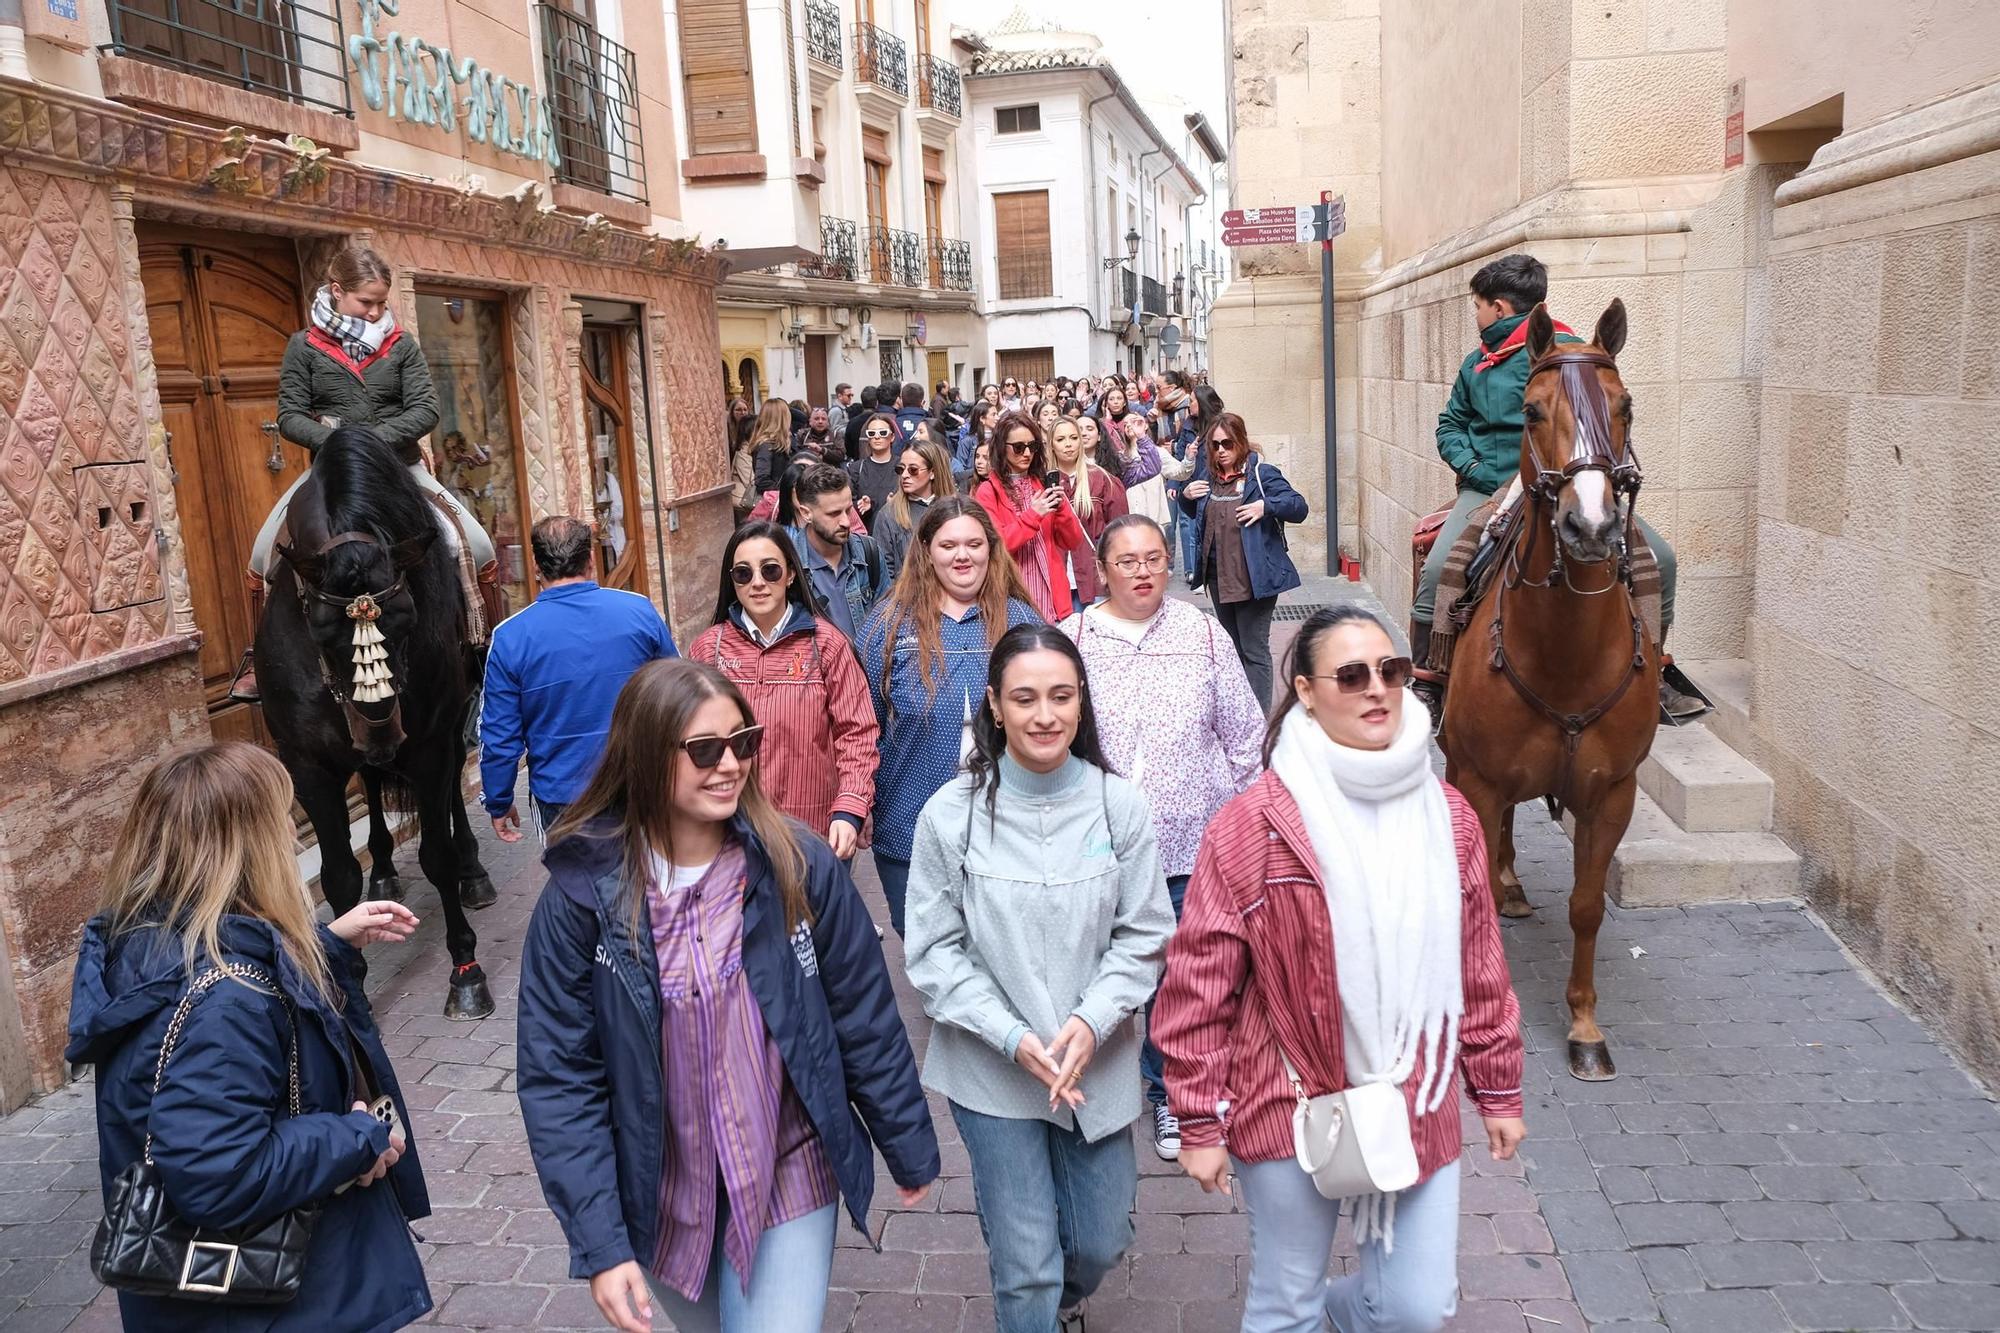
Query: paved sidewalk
x=1784 y=1150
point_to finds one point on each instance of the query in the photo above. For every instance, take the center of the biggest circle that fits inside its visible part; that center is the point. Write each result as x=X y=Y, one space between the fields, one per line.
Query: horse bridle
x=363 y=609
x=1592 y=451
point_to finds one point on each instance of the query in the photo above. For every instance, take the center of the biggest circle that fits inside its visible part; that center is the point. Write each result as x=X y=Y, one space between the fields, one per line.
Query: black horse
x=363 y=664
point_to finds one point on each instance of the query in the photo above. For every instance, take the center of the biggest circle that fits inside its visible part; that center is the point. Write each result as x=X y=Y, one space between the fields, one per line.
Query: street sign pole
x=1333 y=566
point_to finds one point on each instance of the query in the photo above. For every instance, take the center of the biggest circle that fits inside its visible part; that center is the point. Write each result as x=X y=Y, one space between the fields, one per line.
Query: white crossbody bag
x=1352 y=1142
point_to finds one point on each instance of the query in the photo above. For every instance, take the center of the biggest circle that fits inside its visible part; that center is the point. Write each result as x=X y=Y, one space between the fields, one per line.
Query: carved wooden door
x=221 y=308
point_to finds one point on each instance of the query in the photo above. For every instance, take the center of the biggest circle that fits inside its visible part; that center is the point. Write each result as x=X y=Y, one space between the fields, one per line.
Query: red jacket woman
x=1036 y=536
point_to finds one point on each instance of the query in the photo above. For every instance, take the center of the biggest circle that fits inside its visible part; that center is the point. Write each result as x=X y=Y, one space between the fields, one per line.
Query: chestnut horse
x=1555 y=680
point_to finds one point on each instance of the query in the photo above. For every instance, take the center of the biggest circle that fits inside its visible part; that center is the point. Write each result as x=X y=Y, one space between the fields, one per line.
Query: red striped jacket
x=820 y=733
x=1254 y=951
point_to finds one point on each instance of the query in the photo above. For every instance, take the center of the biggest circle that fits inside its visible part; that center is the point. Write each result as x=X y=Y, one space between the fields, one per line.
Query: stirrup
x=243 y=685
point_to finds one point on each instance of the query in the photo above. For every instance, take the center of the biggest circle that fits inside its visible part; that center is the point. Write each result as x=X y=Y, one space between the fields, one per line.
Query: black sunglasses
x=1021 y=446
x=910 y=469
x=1352 y=677
x=706 y=751
x=773 y=571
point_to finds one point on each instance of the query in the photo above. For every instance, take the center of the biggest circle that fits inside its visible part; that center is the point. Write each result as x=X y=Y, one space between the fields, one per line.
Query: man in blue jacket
x=553 y=673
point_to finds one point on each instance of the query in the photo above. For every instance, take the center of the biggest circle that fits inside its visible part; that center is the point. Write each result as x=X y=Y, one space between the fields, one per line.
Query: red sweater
x=1255 y=949
x=1028 y=535
x=807 y=690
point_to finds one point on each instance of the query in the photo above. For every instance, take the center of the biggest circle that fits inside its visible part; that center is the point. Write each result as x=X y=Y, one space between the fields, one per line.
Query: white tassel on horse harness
x=371 y=657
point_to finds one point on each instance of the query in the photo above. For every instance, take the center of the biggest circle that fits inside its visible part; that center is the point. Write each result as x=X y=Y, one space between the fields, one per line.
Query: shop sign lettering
x=409 y=77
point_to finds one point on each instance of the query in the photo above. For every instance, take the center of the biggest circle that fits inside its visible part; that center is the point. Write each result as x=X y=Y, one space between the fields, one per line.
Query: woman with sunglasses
x=710 y=1048
x=923 y=474
x=1176 y=716
x=803 y=684
x=1037 y=921
x=924 y=650
x=1373 y=957
x=1097 y=497
x=1240 y=505
x=874 y=471
x=1034 y=518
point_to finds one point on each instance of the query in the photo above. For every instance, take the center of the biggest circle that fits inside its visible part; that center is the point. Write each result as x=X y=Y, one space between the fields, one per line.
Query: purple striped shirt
x=734 y=1123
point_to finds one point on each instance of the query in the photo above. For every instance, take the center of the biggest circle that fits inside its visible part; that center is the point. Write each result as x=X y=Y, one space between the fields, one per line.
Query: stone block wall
x=1875 y=636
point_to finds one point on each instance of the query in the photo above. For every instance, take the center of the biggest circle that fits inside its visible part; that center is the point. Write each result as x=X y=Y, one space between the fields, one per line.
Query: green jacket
x=391 y=391
x=1479 y=431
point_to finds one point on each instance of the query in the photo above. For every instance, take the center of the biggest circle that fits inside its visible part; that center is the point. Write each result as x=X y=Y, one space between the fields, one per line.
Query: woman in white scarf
x=1349 y=846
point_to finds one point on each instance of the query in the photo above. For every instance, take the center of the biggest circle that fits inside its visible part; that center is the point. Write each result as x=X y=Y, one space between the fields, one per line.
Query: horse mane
x=366 y=487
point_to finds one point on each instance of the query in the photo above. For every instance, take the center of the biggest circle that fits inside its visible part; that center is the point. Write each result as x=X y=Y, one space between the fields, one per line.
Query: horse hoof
x=1516 y=907
x=1591 y=1061
x=389 y=888
x=477 y=892
x=469 y=999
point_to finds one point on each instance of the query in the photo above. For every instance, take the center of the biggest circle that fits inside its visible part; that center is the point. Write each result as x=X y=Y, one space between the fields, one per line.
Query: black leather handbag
x=143 y=1245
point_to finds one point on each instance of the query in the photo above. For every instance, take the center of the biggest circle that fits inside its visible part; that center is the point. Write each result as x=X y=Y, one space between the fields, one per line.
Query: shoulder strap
x=873 y=550
x=201 y=986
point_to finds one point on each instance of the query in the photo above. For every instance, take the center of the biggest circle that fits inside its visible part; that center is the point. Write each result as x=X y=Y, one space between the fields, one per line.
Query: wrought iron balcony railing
x=951 y=264
x=839 y=255
x=823 y=32
x=1128 y=292
x=1155 y=298
x=593 y=91
x=939 y=87
x=294 y=49
x=881 y=59
x=895 y=256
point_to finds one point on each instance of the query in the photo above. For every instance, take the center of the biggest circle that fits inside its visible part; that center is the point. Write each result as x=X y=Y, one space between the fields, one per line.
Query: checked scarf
x=356 y=336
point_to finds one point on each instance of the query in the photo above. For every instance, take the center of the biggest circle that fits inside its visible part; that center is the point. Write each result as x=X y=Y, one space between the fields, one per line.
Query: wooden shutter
x=875 y=144
x=934 y=165
x=715 y=70
x=1021 y=244
x=1027 y=363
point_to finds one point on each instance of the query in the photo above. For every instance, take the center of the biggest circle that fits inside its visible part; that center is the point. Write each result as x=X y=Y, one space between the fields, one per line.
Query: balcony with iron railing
x=593 y=94
x=939 y=87
x=1154 y=297
x=895 y=257
x=1128 y=296
x=881 y=62
x=823 y=32
x=839 y=257
x=951 y=264
x=294 y=50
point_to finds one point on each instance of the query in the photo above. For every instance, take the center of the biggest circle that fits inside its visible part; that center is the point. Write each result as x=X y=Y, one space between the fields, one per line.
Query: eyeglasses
x=1352 y=677
x=706 y=751
x=911 y=469
x=878 y=434
x=1128 y=565
x=1020 y=446
x=771 y=571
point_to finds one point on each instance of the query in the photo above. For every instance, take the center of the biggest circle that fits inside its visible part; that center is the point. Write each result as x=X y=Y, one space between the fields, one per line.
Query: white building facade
x=1082 y=209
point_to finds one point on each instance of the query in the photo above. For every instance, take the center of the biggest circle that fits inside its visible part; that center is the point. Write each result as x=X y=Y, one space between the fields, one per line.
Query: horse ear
x=1541 y=331
x=1610 y=333
x=307 y=567
x=409 y=552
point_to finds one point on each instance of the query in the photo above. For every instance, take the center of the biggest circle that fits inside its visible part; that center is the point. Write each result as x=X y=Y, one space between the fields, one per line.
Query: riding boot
x=1676 y=703
x=1420 y=644
x=243 y=688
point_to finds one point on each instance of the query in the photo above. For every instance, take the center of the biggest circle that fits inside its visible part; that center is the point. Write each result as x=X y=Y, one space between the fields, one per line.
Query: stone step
x=1727 y=682
x=1703 y=785
x=1659 y=864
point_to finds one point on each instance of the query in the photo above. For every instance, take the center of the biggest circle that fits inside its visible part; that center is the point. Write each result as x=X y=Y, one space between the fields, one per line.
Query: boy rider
x=1479 y=435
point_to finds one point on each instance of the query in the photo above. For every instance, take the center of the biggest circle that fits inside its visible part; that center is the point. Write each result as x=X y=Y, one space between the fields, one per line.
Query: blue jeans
x=1412 y=1289
x=1056 y=1212
x=1180 y=536
x=895 y=877
x=1151 y=1067
x=787 y=1289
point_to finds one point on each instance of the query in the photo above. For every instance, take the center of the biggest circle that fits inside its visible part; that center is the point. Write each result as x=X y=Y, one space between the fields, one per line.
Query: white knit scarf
x=356 y=336
x=1393 y=895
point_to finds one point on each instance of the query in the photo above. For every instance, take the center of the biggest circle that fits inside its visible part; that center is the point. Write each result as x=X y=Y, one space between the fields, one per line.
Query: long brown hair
x=774 y=424
x=634 y=784
x=913 y=599
x=1239 y=435
x=939 y=462
x=210 y=835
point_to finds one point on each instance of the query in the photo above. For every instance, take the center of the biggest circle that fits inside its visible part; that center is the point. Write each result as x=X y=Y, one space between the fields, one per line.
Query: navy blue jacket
x=1264 y=548
x=591 y=1083
x=227 y=1149
x=552 y=675
x=907 y=419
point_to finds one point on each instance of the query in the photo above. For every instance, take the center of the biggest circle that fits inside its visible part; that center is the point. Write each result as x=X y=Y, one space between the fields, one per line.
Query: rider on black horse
x=1479 y=437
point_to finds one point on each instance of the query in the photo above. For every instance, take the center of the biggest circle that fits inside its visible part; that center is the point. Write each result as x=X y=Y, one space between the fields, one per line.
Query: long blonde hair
x=942 y=484
x=1080 y=473
x=634 y=783
x=210 y=835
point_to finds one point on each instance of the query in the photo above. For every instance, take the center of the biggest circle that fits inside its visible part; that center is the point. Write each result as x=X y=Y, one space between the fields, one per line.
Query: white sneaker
x=1166 y=1134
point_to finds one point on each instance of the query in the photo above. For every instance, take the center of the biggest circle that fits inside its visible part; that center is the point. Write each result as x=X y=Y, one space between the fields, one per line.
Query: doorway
x=940 y=370
x=220 y=308
x=612 y=434
x=819 y=353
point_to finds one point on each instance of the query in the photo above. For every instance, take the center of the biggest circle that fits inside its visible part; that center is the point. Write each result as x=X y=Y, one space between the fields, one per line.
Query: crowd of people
x=1131 y=884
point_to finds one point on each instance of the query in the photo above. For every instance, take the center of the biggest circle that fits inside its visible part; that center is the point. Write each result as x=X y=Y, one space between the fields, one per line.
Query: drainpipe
x=1099 y=275
x=13 y=42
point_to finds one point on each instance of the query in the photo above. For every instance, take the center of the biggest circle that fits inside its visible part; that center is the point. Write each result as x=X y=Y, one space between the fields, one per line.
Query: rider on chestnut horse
x=1479 y=437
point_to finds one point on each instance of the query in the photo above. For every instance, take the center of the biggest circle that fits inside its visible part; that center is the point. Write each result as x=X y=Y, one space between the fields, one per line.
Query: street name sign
x=1285 y=225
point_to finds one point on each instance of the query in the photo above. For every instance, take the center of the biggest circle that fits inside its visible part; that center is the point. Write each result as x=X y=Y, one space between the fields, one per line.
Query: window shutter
x=715 y=69
x=1021 y=243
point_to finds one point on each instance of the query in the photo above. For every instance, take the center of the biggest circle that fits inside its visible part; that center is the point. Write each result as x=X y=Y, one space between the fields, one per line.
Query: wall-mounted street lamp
x=1131 y=254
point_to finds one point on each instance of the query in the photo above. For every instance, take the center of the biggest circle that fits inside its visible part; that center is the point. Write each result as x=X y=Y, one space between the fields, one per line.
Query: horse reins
x=364 y=609
x=1592 y=451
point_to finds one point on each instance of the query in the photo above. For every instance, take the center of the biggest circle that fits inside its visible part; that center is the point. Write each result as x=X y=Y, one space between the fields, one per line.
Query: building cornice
x=221 y=172
x=1016 y=64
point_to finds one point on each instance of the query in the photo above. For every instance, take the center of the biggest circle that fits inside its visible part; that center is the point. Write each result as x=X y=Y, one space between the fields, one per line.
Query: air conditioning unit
x=842 y=317
x=867 y=336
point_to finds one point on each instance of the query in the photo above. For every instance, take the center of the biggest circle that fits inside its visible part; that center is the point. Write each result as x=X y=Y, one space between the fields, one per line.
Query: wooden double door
x=221 y=308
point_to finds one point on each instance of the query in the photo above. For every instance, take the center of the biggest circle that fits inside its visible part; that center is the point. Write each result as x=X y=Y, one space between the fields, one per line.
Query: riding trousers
x=477 y=542
x=1461 y=514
